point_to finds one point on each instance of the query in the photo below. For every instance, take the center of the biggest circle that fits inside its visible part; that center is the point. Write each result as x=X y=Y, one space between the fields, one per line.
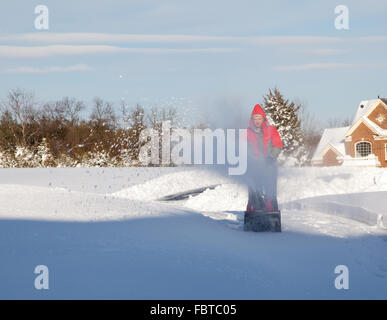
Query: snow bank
x=170 y=184
x=340 y=191
x=367 y=207
x=310 y=188
x=226 y=197
x=299 y=183
x=293 y=183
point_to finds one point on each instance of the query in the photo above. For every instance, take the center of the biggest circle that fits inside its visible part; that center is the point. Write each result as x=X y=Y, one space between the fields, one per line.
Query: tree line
x=58 y=133
x=61 y=133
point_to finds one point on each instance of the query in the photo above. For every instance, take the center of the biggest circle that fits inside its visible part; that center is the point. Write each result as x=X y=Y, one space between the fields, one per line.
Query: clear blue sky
x=208 y=53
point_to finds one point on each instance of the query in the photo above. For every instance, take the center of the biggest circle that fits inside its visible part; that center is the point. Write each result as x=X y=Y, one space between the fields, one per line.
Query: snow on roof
x=340 y=147
x=379 y=130
x=334 y=137
x=362 y=109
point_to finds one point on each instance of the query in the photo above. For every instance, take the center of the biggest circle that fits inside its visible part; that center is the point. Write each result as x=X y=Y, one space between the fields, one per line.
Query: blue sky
x=218 y=56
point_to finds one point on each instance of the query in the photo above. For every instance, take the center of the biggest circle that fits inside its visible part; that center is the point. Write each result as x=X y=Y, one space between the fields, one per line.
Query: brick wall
x=380 y=110
x=329 y=159
x=363 y=133
x=380 y=151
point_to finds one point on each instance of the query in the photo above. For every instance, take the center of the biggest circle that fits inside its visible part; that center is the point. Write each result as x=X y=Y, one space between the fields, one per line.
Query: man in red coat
x=264 y=146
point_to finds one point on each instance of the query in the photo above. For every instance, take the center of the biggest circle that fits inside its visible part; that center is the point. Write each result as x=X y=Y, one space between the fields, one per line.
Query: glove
x=275 y=152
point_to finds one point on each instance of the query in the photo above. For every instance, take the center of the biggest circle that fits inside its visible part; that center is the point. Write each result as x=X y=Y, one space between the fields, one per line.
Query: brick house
x=363 y=143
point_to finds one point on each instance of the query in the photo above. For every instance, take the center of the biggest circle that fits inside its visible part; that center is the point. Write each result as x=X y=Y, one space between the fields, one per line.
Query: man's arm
x=274 y=145
x=275 y=152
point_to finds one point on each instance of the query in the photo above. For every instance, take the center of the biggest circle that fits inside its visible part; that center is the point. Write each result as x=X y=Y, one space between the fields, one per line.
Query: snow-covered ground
x=103 y=233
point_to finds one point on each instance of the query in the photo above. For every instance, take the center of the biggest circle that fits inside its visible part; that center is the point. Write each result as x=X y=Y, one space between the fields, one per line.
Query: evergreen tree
x=283 y=114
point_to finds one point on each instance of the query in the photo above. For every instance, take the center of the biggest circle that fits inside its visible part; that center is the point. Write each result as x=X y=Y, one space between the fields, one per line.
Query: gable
x=363 y=131
x=330 y=136
x=330 y=157
x=361 y=123
x=379 y=115
x=331 y=149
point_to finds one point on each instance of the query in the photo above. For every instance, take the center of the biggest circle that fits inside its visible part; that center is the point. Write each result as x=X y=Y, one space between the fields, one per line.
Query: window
x=363 y=149
x=385 y=151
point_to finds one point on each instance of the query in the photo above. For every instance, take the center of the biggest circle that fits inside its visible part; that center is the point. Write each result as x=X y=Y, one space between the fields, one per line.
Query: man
x=264 y=146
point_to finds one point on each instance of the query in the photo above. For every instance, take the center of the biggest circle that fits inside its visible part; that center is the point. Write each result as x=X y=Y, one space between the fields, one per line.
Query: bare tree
x=158 y=115
x=66 y=110
x=21 y=104
x=70 y=109
x=137 y=125
x=153 y=119
x=338 y=122
x=137 y=118
x=309 y=123
x=103 y=114
x=310 y=127
x=170 y=114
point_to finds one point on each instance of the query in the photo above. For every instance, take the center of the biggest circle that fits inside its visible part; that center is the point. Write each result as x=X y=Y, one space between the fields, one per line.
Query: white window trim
x=356 y=153
x=385 y=151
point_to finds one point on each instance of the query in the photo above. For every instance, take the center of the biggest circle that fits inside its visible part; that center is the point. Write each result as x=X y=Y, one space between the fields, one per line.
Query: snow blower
x=260 y=220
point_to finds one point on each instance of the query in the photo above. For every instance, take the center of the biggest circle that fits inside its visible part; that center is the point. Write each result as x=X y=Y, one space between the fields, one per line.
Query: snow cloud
x=314 y=66
x=323 y=51
x=33 y=70
x=65 y=50
x=83 y=37
x=94 y=37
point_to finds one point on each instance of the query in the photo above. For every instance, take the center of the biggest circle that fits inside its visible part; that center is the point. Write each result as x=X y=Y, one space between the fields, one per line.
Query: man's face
x=258 y=120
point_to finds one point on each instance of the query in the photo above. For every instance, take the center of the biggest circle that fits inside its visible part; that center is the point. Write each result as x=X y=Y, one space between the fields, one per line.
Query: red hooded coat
x=270 y=133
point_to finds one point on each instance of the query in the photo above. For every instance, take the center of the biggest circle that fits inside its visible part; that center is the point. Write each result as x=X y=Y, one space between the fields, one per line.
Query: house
x=363 y=143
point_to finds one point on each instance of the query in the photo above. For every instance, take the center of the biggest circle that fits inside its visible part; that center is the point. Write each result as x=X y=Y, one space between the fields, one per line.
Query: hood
x=257 y=110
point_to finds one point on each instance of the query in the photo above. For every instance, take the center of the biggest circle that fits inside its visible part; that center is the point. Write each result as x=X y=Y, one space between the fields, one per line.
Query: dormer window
x=363 y=149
